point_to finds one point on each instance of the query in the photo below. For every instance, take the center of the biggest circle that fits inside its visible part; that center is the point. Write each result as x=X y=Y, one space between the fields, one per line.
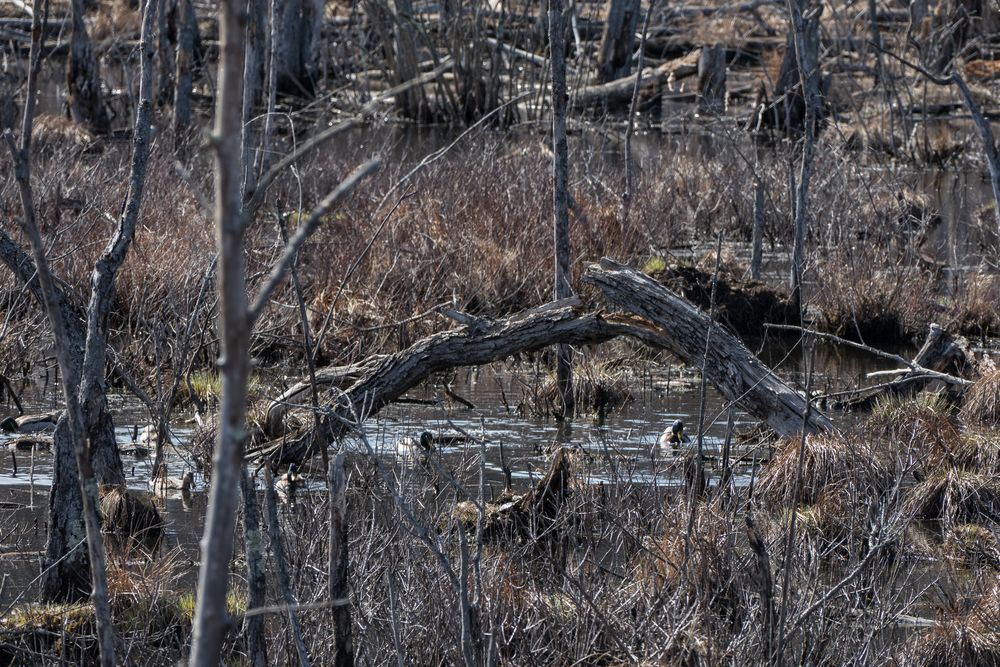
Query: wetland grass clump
x=131 y=522
x=982 y=401
x=830 y=459
x=974 y=545
x=597 y=387
x=966 y=634
x=953 y=495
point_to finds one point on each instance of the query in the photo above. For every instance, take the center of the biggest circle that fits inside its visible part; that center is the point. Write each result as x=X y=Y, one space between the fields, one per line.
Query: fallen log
x=731 y=368
x=657 y=317
x=385 y=378
x=619 y=92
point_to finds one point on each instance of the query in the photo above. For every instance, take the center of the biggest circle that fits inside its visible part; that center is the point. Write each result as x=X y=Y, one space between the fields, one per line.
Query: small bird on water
x=673 y=436
x=291 y=481
x=422 y=445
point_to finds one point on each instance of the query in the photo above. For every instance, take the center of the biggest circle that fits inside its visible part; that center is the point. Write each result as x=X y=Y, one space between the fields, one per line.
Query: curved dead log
x=664 y=320
x=683 y=329
x=386 y=378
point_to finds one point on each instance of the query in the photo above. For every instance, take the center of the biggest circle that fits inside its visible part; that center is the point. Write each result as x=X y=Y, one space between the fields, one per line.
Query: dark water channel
x=620 y=449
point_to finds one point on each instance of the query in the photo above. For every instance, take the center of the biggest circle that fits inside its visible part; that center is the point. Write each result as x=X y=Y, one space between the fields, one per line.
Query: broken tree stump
x=614 y=56
x=712 y=80
x=528 y=516
x=679 y=327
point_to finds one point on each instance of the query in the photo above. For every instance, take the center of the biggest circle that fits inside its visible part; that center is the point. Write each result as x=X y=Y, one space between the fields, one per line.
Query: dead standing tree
x=83 y=76
x=804 y=26
x=237 y=318
x=560 y=194
x=85 y=448
x=614 y=56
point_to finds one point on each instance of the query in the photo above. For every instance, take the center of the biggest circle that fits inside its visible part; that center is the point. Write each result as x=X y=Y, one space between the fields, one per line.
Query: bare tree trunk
x=281 y=567
x=187 y=26
x=73 y=425
x=89 y=432
x=166 y=42
x=712 y=80
x=256 y=581
x=253 y=86
x=614 y=56
x=806 y=38
x=83 y=77
x=339 y=588
x=302 y=21
x=211 y=619
x=560 y=195
x=757 y=235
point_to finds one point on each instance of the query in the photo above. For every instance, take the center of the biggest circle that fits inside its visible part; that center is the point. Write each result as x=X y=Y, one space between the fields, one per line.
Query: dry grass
x=981 y=403
x=829 y=460
x=951 y=496
x=967 y=637
x=131 y=523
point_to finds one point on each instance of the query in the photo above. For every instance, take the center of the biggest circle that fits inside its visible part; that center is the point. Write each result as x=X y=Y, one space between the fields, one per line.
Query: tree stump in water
x=614 y=56
x=712 y=80
x=526 y=516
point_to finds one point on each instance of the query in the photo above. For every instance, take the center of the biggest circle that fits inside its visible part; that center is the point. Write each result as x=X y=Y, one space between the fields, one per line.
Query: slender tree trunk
x=712 y=80
x=217 y=544
x=187 y=26
x=614 y=56
x=757 y=238
x=166 y=43
x=339 y=588
x=302 y=21
x=806 y=39
x=83 y=77
x=560 y=195
x=256 y=582
x=253 y=86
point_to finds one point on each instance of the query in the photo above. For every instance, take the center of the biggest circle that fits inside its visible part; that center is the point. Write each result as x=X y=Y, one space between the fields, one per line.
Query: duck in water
x=674 y=436
x=290 y=482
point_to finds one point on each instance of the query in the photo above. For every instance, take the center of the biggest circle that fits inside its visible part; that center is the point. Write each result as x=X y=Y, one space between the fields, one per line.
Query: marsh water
x=619 y=448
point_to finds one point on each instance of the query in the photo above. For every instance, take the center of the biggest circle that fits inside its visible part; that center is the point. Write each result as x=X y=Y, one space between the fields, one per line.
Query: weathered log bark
x=83 y=77
x=614 y=56
x=619 y=92
x=681 y=328
x=560 y=197
x=665 y=320
x=712 y=80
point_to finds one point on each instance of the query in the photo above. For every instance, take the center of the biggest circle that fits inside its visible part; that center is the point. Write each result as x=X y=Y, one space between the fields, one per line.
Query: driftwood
x=681 y=328
x=619 y=92
x=941 y=353
x=657 y=317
